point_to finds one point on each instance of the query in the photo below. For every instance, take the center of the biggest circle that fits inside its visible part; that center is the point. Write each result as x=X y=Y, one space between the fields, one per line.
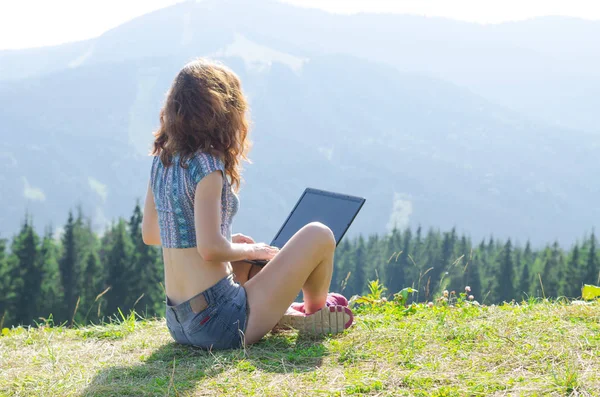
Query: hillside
x=531 y=349
x=404 y=123
x=546 y=67
x=428 y=153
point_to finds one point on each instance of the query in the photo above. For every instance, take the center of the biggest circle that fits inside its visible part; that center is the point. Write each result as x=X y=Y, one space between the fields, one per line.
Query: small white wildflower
x=471 y=297
x=430 y=304
x=445 y=293
x=468 y=289
x=384 y=299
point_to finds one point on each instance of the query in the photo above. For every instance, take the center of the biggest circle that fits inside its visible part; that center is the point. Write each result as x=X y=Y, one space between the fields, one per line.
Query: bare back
x=187 y=274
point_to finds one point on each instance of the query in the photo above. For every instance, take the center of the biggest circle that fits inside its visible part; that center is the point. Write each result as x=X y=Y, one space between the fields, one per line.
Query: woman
x=213 y=299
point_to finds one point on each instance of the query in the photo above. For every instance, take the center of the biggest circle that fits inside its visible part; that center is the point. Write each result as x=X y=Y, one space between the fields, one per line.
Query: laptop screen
x=334 y=210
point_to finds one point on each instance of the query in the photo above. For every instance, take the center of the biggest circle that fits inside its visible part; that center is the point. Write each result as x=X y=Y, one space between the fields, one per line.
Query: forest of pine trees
x=82 y=277
x=497 y=271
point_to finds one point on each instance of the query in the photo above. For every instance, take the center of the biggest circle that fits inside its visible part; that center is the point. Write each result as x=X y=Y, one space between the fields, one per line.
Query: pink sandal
x=329 y=320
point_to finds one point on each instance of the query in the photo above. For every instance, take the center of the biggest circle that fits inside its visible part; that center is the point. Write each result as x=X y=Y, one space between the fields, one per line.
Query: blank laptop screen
x=335 y=211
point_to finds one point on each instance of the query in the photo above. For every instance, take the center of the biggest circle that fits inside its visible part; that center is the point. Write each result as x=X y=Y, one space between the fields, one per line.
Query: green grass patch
x=529 y=349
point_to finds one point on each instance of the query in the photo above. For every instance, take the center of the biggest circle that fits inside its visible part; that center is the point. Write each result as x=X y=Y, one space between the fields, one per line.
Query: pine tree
x=447 y=261
x=51 y=294
x=453 y=243
x=341 y=265
x=374 y=255
x=69 y=269
x=480 y=259
x=464 y=250
x=466 y=271
x=591 y=275
x=394 y=274
x=504 y=291
x=418 y=242
x=138 y=265
x=94 y=285
x=398 y=267
x=86 y=243
x=552 y=262
x=406 y=265
x=491 y=246
x=27 y=291
x=430 y=260
x=118 y=267
x=358 y=280
x=473 y=280
x=147 y=272
x=524 y=282
x=528 y=256
x=460 y=269
x=418 y=235
x=573 y=275
x=518 y=264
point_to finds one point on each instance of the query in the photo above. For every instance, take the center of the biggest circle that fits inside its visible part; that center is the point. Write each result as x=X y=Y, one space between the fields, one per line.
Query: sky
x=37 y=23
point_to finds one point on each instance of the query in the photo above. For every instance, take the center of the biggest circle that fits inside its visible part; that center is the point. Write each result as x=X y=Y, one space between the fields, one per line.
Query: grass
x=531 y=349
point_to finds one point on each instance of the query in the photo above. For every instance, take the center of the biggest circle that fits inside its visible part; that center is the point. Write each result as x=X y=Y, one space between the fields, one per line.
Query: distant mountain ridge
x=546 y=67
x=421 y=149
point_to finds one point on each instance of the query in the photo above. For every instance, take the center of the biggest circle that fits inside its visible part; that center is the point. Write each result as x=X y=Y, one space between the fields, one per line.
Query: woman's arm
x=150 y=229
x=243 y=270
x=211 y=244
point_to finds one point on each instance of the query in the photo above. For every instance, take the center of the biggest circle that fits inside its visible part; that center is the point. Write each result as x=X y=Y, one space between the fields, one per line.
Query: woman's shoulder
x=154 y=169
x=155 y=162
x=203 y=163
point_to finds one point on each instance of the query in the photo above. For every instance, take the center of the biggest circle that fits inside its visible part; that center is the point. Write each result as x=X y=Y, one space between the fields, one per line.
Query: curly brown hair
x=205 y=110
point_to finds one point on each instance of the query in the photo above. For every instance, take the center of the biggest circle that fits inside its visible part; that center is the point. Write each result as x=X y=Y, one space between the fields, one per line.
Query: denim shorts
x=221 y=325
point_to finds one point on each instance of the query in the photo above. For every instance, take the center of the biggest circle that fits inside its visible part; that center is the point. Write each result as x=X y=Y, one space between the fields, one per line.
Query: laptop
x=335 y=210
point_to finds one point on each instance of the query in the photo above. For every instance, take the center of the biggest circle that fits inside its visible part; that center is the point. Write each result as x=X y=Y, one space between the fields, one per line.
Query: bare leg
x=305 y=262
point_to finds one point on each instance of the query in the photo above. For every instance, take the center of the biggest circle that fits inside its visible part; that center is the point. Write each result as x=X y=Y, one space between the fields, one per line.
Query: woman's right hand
x=262 y=251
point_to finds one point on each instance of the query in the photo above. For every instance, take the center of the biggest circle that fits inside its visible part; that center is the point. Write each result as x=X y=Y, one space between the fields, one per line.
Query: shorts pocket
x=208 y=330
x=201 y=320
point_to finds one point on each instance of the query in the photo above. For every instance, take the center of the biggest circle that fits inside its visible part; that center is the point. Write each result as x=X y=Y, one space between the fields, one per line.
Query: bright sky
x=35 y=23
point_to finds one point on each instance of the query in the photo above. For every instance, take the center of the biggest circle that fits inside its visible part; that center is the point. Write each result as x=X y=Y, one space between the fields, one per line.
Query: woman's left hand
x=239 y=238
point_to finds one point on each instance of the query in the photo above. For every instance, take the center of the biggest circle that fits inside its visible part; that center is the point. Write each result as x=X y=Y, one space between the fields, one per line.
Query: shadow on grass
x=173 y=369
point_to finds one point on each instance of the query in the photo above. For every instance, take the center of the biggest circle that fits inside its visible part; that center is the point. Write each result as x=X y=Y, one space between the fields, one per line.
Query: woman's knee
x=321 y=233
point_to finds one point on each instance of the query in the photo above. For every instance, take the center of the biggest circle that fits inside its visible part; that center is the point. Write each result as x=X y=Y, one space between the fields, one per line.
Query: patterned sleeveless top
x=174 y=189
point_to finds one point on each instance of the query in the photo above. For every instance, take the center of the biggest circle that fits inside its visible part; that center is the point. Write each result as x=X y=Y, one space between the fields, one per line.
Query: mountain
x=338 y=106
x=547 y=68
